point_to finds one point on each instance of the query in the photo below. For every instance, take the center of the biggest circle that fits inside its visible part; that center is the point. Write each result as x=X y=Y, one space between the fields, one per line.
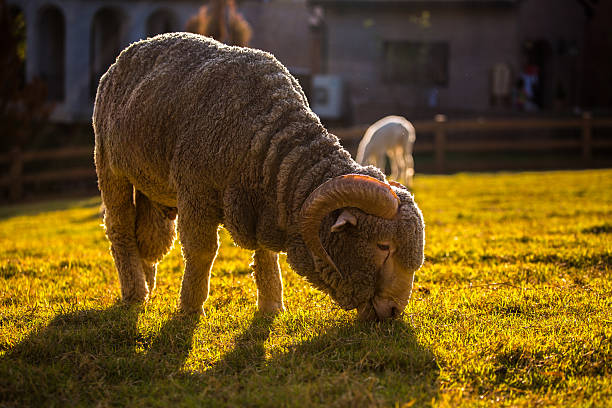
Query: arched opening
x=51 y=50
x=162 y=21
x=106 y=41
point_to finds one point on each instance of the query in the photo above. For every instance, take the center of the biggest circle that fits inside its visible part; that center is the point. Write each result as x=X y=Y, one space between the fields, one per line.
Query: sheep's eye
x=383 y=247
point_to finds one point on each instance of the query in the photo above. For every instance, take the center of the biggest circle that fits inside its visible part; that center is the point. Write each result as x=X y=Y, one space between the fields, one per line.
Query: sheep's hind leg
x=409 y=174
x=120 y=222
x=198 y=235
x=379 y=160
x=396 y=161
x=266 y=272
x=155 y=234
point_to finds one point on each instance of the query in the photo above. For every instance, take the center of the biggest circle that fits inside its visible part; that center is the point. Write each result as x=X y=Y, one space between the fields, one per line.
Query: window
x=416 y=63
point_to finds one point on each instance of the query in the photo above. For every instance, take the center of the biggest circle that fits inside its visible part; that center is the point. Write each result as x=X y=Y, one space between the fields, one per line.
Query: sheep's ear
x=344 y=218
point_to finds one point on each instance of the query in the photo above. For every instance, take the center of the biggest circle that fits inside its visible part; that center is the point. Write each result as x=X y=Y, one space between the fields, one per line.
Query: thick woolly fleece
x=224 y=134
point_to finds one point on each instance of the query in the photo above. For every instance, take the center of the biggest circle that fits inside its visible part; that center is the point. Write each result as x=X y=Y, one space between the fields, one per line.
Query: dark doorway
x=51 y=51
x=106 y=42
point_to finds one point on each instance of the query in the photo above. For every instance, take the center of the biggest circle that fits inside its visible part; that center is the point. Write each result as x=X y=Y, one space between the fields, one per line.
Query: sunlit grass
x=512 y=307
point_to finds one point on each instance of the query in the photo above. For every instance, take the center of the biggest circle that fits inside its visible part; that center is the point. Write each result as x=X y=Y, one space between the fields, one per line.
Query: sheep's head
x=366 y=240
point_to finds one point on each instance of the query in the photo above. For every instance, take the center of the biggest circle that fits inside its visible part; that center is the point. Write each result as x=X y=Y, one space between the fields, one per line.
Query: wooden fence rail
x=442 y=143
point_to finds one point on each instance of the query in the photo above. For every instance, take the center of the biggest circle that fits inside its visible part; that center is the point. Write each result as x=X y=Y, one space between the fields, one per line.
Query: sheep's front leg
x=266 y=272
x=199 y=239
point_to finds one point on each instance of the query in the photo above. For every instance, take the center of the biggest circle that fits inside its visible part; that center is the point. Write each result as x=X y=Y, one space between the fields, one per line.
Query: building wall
x=77 y=102
x=477 y=38
x=353 y=41
x=278 y=26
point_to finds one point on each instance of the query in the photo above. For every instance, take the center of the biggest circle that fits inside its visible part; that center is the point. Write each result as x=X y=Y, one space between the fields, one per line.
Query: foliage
x=512 y=308
x=221 y=21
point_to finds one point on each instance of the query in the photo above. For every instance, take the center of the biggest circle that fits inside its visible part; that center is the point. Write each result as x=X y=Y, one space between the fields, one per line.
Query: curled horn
x=370 y=195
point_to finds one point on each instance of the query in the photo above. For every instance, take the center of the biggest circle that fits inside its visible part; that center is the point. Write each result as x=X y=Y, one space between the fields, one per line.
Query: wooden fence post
x=440 y=142
x=16 y=188
x=587 y=136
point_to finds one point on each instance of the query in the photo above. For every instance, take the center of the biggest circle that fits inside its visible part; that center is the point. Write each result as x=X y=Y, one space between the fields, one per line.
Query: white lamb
x=391 y=136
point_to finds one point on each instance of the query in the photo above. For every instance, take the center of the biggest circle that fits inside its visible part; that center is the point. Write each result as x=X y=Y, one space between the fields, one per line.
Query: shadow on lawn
x=81 y=356
x=101 y=357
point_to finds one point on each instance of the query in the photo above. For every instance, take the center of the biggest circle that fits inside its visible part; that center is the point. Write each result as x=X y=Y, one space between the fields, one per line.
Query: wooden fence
x=16 y=160
x=441 y=142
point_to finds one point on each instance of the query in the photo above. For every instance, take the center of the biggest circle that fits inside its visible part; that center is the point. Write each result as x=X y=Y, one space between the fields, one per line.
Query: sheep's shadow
x=347 y=360
x=92 y=347
x=249 y=351
x=83 y=357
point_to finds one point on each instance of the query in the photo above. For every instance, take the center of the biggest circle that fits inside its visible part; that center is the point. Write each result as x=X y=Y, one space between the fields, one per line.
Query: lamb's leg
x=395 y=162
x=120 y=222
x=409 y=170
x=198 y=235
x=266 y=272
x=379 y=160
x=155 y=234
x=400 y=168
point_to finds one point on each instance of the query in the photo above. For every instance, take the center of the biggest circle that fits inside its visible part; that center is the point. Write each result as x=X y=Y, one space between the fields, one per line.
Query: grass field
x=513 y=307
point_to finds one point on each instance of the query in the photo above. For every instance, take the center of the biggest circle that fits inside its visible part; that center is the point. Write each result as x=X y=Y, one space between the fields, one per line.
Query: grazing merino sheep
x=216 y=134
x=392 y=136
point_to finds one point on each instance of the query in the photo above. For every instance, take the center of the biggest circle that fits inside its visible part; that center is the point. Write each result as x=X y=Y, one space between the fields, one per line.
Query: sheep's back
x=181 y=104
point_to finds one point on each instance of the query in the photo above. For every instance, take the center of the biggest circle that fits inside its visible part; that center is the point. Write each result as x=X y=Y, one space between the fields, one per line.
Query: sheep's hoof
x=134 y=301
x=190 y=311
x=135 y=297
x=271 y=308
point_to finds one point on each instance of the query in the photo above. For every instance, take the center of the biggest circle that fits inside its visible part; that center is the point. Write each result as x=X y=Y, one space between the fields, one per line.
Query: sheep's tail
x=155 y=228
x=97 y=120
